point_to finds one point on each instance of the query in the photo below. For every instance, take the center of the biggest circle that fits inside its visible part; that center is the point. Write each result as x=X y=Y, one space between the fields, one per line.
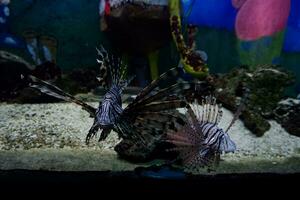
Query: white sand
x=41 y=131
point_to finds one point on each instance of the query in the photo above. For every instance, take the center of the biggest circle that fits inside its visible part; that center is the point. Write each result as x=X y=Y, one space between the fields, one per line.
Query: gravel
x=55 y=133
x=56 y=126
x=275 y=143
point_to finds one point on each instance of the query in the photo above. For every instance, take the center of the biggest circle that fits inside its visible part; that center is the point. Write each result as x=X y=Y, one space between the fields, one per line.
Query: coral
x=266 y=85
x=255 y=122
x=287 y=113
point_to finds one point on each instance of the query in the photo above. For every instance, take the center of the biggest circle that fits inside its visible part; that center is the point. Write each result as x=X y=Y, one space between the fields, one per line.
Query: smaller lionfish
x=200 y=142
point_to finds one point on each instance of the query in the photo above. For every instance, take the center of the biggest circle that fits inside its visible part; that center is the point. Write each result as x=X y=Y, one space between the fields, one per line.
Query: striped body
x=110 y=109
x=201 y=141
x=216 y=139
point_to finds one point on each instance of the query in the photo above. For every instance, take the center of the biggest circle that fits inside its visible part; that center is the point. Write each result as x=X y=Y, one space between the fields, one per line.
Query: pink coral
x=257 y=18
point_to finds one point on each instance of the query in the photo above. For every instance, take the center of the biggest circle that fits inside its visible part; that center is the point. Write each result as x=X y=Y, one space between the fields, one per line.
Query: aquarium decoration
x=272 y=16
x=262 y=37
x=192 y=62
x=256 y=19
x=264 y=29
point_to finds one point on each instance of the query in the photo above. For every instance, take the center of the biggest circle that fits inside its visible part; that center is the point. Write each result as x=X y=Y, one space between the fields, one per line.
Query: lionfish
x=144 y=120
x=201 y=141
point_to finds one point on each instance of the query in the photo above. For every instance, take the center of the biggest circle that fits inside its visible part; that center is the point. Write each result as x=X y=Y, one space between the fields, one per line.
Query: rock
x=85 y=78
x=13 y=81
x=266 y=85
x=78 y=81
x=252 y=120
x=255 y=122
x=11 y=68
x=47 y=71
x=287 y=113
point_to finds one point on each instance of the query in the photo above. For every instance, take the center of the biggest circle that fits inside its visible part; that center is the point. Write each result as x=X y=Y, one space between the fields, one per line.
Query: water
x=37 y=134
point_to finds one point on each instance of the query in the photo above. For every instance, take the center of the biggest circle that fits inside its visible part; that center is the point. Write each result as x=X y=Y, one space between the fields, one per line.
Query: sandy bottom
x=51 y=137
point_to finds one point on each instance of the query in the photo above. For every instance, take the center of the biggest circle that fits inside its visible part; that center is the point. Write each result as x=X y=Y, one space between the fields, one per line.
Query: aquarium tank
x=131 y=92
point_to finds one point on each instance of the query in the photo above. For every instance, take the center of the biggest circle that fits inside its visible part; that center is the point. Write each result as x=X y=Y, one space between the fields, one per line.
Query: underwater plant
x=144 y=120
x=201 y=141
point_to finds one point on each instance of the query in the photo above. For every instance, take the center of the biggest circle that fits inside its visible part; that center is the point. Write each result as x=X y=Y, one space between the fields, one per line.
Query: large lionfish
x=144 y=120
x=201 y=141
